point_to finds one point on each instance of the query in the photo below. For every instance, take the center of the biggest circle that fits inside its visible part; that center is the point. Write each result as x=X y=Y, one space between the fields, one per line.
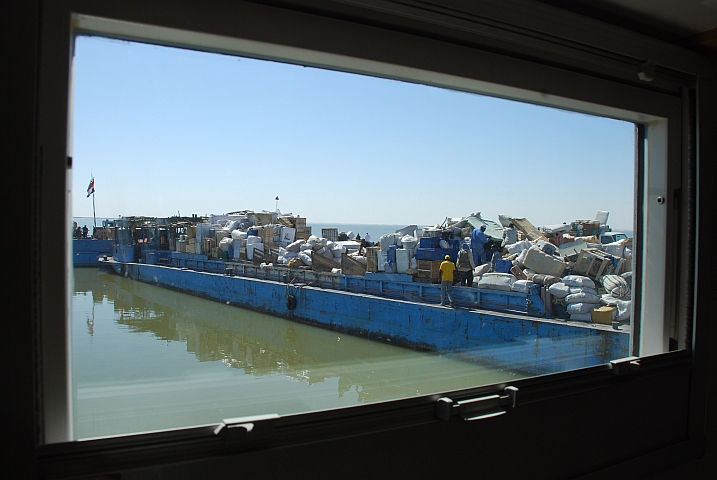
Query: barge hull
x=520 y=342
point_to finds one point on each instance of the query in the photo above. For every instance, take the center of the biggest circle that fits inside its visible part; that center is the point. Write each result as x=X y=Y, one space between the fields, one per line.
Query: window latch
x=256 y=427
x=479 y=408
x=626 y=365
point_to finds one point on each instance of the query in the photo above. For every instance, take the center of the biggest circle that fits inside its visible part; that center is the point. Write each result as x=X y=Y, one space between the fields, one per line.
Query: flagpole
x=94 y=215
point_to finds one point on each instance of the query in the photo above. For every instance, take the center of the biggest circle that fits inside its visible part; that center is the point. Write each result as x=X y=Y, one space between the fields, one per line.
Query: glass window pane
x=221 y=154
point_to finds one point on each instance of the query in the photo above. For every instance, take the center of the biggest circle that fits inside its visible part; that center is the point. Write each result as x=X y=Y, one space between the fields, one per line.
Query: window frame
x=605 y=84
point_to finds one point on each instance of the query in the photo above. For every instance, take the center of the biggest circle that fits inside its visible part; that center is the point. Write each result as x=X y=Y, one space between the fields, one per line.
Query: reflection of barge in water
x=395 y=312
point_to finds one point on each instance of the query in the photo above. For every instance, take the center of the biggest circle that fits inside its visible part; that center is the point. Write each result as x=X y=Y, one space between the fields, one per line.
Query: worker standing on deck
x=465 y=266
x=510 y=235
x=478 y=241
x=447 y=269
x=84 y=231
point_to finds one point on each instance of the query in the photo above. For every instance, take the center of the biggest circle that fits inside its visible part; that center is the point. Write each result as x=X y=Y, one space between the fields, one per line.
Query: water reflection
x=134 y=330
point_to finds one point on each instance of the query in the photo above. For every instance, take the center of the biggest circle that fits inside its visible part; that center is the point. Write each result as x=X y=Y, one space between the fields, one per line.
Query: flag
x=91 y=188
x=277 y=199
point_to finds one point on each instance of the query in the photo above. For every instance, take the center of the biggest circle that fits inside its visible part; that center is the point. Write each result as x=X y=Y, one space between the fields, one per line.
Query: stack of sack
x=580 y=295
x=619 y=294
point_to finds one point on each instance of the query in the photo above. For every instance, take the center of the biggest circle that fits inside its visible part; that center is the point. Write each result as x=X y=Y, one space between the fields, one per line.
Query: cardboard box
x=191 y=247
x=605 y=315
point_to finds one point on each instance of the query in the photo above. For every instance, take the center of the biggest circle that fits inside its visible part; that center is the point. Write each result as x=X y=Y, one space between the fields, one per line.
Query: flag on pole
x=277 y=199
x=91 y=188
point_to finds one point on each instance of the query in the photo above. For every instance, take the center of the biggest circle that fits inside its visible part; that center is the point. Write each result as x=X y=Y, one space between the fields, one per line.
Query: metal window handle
x=480 y=408
x=254 y=427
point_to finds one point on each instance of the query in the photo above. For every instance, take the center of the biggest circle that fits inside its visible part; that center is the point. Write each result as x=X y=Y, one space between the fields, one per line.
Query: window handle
x=624 y=366
x=480 y=408
x=255 y=427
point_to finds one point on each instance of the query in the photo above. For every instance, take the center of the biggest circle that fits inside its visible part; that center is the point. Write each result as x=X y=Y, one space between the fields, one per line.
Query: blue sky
x=166 y=130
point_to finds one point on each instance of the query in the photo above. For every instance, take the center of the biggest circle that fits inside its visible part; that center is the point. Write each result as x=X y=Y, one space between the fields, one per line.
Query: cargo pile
x=582 y=278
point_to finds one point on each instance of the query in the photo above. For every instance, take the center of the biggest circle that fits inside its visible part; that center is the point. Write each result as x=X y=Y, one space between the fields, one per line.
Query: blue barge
x=496 y=327
x=86 y=252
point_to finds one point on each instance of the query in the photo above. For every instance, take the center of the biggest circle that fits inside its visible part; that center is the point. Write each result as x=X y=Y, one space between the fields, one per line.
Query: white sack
x=238 y=234
x=578 y=281
x=444 y=244
x=582 y=298
x=623 y=306
x=497 y=281
x=305 y=257
x=616 y=249
x=580 y=307
x=583 y=289
x=295 y=246
x=581 y=317
x=616 y=286
x=522 y=286
x=559 y=290
x=224 y=244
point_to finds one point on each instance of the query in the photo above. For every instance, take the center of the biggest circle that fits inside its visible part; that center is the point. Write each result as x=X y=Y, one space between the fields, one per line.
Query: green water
x=146 y=358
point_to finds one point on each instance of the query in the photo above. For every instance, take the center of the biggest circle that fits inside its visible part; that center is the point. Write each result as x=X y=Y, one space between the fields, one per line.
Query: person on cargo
x=465 y=266
x=84 y=231
x=510 y=235
x=447 y=269
x=478 y=241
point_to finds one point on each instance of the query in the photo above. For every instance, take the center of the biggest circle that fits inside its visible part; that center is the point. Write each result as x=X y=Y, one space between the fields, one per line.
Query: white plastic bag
x=582 y=297
x=580 y=307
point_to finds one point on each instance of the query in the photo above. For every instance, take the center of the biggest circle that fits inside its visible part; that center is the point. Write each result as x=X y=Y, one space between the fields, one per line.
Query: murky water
x=147 y=358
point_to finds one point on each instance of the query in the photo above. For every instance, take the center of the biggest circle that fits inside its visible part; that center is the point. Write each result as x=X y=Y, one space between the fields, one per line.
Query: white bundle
x=306 y=247
x=578 y=281
x=238 y=234
x=583 y=290
x=582 y=297
x=313 y=240
x=281 y=260
x=359 y=258
x=497 y=281
x=522 y=286
x=335 y=270
x=517 y=247
x=305 y=257
x=295 y=246
x=559 y=290
x=581 y=317
x=252 y=240
x=616 y=286
x=616 y=249
x=481 y=270
x=224 y=244
x=337 y=249
x=444 y=244
x=580 y=307
x=290 y=255
x=623 y=306
x=521 y=258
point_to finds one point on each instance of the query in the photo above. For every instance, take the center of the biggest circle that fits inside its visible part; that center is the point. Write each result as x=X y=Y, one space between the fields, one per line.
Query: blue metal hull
x=533 y=345
x=87 y=252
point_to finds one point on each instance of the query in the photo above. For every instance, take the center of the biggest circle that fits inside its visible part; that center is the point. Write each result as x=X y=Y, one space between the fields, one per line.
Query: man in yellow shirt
x=447 y=269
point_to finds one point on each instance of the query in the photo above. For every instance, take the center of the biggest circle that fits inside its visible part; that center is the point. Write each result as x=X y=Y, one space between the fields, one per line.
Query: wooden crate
x=372 y=259
x=331 y=234
x=594 y=263
x=429 y=269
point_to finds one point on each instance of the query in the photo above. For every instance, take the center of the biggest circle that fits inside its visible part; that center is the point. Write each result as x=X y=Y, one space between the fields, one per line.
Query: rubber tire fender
x=291 y=302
